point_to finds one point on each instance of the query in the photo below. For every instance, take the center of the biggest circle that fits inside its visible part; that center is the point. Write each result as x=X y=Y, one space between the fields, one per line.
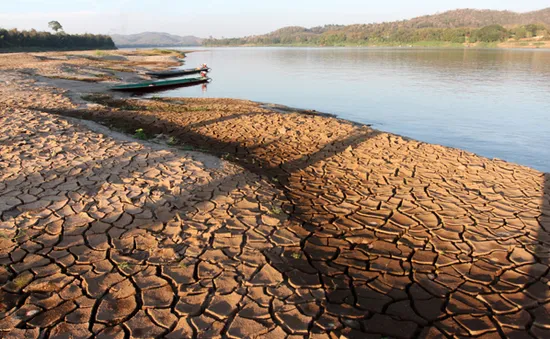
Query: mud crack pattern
x=332 y=230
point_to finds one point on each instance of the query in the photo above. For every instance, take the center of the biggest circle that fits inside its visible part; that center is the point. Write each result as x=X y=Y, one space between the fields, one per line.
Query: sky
x=225 y=18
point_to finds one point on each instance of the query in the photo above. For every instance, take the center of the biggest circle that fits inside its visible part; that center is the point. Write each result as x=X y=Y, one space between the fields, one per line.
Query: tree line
x=14 y=39
x=389 y=33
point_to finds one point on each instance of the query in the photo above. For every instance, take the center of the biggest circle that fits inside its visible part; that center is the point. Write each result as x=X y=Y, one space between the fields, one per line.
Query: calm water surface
x=495 y=103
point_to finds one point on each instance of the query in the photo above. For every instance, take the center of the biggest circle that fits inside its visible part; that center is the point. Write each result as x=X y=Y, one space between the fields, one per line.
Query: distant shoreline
x=156 y=46
x=426 y=44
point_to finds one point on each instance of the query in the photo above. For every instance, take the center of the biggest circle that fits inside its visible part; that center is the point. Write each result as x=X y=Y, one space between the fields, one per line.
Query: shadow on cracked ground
x=376 y=234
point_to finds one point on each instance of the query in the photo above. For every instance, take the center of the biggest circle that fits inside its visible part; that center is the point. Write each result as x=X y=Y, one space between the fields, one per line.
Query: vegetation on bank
x=157 y=51
x=374 y=35
x=14 y=41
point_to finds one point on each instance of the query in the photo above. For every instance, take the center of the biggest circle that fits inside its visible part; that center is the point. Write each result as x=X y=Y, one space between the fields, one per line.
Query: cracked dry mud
x=333 y=230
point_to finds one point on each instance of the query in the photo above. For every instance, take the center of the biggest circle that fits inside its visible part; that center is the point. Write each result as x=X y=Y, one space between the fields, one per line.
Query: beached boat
x=178 y=72
x=161 y=84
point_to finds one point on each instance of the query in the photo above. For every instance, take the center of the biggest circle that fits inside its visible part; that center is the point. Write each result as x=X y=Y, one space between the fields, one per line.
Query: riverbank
x=294 y=224
x=520 y=44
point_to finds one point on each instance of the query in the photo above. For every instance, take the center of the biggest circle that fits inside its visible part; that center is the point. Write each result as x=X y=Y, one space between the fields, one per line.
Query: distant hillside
x=457 y=26
x=154 y=39
x=477 y=18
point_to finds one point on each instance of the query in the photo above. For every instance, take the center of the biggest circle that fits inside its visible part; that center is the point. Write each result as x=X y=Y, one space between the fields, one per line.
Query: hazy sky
x=227 y=18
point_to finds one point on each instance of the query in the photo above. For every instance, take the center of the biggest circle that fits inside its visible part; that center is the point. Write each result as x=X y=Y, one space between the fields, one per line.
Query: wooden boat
x=160 y=84
x=178 y=72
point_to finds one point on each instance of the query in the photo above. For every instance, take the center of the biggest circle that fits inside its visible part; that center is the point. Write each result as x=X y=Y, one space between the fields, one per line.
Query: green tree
x=491 y=33
x=55 y=26
x=520 y=33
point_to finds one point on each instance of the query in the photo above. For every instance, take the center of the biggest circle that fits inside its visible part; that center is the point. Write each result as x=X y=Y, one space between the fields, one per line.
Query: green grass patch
x=172 y=141
x=22 y=280
x=163 y=51
x=140 y=134
x=123 y=266
x=276 y=210
x=20 y=233
x=296 y=255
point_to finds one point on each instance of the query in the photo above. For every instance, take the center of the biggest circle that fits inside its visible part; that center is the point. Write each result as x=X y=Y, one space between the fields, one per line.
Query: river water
x=495 y=103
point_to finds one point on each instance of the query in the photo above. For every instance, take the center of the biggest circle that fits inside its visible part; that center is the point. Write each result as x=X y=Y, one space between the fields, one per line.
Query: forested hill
x=457 y=26
x=13 y=40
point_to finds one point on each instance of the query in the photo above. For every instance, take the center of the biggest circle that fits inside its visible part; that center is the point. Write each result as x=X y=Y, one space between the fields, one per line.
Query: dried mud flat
x=310 y=227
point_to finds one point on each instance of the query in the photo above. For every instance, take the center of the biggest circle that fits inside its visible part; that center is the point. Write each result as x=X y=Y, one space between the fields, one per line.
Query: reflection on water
x=492 y=102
